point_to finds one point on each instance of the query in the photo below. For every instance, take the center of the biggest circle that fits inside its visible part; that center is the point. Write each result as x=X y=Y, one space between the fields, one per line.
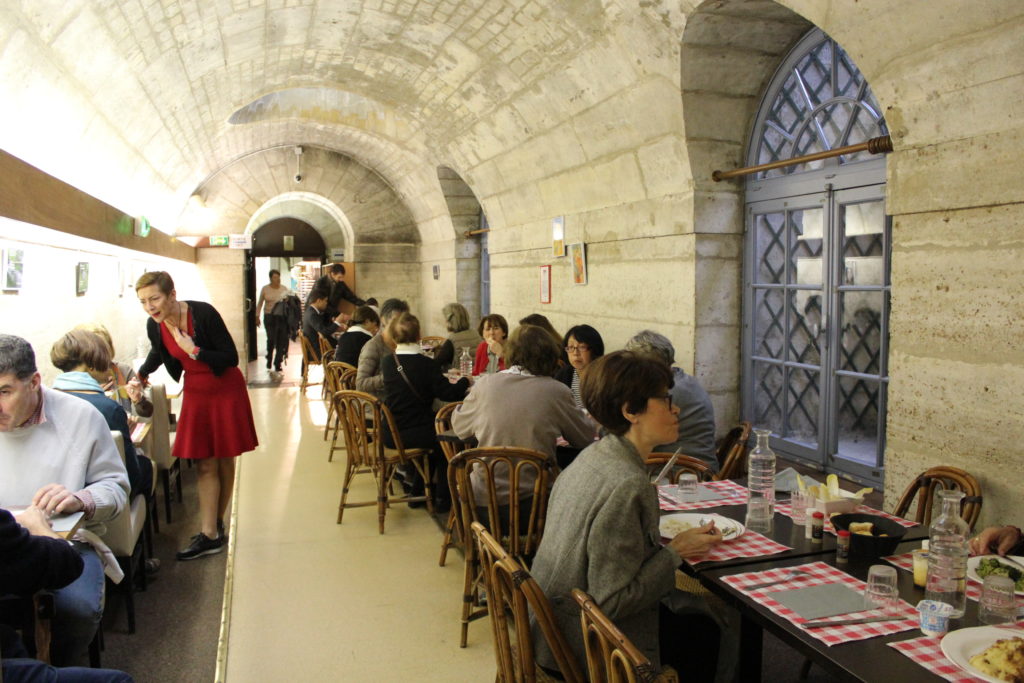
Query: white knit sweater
x=73 y=448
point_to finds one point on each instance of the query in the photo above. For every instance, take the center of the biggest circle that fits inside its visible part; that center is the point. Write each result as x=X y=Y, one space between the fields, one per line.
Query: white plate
x=973 y=562
x=669 y=525
x=960 y=646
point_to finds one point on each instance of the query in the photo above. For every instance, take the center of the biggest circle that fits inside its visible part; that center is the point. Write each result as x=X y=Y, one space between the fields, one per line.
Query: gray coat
x=602 y=537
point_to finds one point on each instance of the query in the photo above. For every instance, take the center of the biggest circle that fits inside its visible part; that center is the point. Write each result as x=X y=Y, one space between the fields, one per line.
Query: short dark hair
x=543 y=323
x=456 y=317
x=274 y=271
x=16 y=357
x=622 y=378
x=393 y=307
x=317 y=293
x=533 y=349
x=372 y=301
x=159 y=278
x=589 y=336
x=364 y=314
x=495 y=320
x=404 y=329
x=80 y=347
x=336 y=269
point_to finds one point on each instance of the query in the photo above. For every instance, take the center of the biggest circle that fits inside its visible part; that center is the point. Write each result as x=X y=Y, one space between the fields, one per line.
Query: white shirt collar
x=408 y=349
x=359 y=328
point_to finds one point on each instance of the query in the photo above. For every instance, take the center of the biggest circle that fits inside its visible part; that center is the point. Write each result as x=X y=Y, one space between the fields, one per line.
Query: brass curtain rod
x=470 y=233
x=879 y=145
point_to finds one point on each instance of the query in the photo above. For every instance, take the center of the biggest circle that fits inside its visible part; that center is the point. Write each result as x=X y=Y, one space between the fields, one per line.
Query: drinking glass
x=800 y=502
x=881 y=590
x=998 y=604
x=688 y=487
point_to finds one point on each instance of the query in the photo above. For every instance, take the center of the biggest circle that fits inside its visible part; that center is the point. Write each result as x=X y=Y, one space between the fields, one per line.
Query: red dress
x=216 y=418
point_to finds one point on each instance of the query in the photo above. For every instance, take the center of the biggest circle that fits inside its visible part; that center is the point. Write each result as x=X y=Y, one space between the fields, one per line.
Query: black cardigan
x=29 y=563
x=216 y=348
x=411 y=411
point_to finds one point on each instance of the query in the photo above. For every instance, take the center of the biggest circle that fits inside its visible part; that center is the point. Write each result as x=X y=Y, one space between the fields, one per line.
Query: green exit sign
x=142 y=226
x=219 y=240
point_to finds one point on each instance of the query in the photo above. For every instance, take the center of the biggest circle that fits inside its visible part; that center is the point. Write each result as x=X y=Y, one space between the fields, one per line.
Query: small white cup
x=687 y=487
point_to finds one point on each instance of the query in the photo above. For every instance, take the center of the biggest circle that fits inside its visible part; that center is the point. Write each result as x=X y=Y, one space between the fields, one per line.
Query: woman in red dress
x=215 y=425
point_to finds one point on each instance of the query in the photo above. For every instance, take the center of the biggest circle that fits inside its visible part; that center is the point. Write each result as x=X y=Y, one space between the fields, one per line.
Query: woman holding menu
x=602 y=527
x=215 y=425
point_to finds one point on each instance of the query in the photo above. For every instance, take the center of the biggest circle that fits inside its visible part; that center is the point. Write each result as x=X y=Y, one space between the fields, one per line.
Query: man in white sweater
x=56 y=453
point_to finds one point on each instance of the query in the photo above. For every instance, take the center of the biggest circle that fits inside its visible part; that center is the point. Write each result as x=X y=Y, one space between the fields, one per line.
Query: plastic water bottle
x=761 y=484
x=947 y=555
x=465 y=363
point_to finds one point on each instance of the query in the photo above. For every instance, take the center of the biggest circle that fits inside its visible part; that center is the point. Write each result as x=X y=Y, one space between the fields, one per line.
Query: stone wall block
x=664 y=166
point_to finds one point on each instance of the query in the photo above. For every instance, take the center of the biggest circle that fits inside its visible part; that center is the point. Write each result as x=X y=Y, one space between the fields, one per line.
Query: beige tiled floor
x=317 y=601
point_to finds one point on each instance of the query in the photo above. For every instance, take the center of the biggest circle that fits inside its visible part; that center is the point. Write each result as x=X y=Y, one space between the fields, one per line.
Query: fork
x=793 y=575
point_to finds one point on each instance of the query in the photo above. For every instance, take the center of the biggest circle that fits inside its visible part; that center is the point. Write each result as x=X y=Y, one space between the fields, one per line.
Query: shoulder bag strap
x=401 y=371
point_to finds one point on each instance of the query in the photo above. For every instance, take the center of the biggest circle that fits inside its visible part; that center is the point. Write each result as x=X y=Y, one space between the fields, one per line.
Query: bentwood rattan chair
x=610 y=654
x=433 y=343
x=348 y=379
x=364 y=417
x=326 y=354
x=512 y=595
x=942 y=477
x=732 y=452
x=517 y=521
x=443 y=426
x=309 y=358
x=332 y=384
x=655 y=462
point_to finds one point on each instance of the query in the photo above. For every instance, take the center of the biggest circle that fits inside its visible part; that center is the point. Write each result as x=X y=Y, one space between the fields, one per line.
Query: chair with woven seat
x=309 y=358
x=518 y=526
x=655 y=462
x=443 y=425
x=364 y=416
x=326 y=354
x=610 y=654
x=433 y=343
x=732 y=452
x=347 y=380
x=512 y=595
x=161 y=443
x=332 y=384
x=942 y=477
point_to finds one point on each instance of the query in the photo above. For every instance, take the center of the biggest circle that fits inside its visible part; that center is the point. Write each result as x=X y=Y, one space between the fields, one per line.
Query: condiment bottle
x=842 y=546
x=817 y=526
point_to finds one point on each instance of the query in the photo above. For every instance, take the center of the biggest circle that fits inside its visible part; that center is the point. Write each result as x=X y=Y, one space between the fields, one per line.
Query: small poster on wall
x=81 y=278
x=578 y=256
x=558 y=236
x=545 y=284
x=13 y=269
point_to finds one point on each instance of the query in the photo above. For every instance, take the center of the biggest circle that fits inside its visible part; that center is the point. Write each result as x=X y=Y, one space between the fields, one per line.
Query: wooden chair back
x=655 y=462
x=925 y=485
x=326 y=350
x=453 y=528
x=442 y=425
x=732 y=452
x=347 y=381
x=332 y=385
x=309 y=358
x=610 y=654
x=512 y=594
x=432 y=342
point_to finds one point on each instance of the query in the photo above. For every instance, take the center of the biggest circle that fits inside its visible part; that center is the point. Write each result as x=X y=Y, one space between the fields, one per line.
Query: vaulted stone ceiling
x=144 y=104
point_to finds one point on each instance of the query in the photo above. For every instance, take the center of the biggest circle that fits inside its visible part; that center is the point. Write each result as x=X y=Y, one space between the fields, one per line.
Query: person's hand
x=143 y=380
x=183 y=341
x=697 y=541
x=109 y=385
x=494 y=346
x=259 y=323
x=995 y=539
x=134 y=390
x=54 y=499
x=36 y=521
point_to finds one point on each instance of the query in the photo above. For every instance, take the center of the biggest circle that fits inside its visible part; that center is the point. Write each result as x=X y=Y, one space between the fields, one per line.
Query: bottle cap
x=818 y=515
x=843 y=533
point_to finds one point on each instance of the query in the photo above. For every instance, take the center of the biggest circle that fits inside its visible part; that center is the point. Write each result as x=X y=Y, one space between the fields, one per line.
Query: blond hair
x=80 y=347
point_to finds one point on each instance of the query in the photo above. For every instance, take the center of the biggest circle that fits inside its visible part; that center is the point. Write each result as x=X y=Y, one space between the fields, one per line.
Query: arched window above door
x=818 y=101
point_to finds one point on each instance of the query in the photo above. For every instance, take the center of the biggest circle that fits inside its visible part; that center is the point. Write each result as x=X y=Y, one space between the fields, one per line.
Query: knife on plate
x=1013 y=563
x=843 y=622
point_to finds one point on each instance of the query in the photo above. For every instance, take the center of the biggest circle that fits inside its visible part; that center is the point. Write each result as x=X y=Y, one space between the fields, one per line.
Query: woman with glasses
x=583 y=345
x=602 y=527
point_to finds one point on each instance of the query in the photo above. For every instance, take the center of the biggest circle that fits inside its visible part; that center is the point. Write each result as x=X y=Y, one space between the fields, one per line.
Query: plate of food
x=671 y=525
x=985 y=565
x=990 y=653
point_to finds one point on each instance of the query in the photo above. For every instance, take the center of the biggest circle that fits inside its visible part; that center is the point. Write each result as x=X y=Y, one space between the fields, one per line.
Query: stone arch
x=728 y=53
x=297 y=205
x=466 y=212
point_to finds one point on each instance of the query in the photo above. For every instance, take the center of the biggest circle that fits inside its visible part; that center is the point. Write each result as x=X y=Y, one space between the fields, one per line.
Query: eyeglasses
x=667 y=398
x=581 y=348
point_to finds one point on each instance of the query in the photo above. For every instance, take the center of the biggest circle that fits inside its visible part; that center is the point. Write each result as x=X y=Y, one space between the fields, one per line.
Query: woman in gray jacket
x=602 y=526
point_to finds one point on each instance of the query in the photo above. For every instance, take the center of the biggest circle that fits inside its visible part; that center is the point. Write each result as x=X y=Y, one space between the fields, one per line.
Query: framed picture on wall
x=81 y=278
x=558 y=236
x=13 y=269
x=578 y=256
x=545 y=284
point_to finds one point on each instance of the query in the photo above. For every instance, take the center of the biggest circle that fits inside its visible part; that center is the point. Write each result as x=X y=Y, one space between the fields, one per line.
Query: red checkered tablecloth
x=787 y=509
x=821 y=573
x=750 y=544
x=906 y=562
x=731 y=492
x=927 y=651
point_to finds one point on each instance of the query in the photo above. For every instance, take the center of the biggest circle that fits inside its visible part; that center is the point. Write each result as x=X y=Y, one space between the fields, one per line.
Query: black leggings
x=688 y=643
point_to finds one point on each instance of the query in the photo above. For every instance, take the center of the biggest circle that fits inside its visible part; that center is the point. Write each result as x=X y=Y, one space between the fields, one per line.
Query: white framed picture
x=13 y=269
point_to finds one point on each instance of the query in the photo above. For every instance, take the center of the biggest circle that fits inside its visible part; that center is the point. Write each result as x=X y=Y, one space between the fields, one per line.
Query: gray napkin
x=816 y=602
x=786 y=480
x=704 y=493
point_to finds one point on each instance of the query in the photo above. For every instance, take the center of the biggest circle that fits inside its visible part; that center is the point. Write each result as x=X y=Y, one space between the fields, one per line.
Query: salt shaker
x=842 y=546
x=817 y=526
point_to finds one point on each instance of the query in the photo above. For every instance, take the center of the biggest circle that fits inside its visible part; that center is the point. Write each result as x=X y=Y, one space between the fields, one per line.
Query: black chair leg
x=165 y=475
x=805 y=669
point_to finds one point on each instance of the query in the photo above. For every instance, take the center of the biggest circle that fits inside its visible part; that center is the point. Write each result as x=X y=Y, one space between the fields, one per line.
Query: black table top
x=863 y=660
